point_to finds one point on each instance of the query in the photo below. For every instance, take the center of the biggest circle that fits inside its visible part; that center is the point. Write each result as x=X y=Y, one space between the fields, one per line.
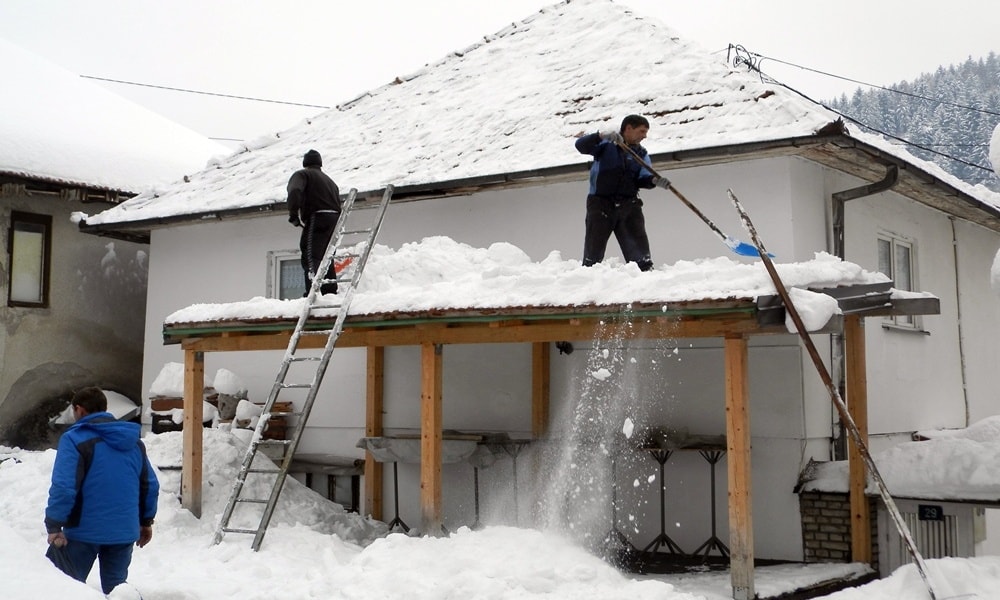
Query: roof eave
x=835 y=150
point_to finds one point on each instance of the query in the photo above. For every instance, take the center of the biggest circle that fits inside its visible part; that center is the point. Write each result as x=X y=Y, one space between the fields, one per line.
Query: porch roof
x=704 y=318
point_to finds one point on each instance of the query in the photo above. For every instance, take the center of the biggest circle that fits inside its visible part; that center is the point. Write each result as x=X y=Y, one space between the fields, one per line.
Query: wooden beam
x=738 y=461
x=191 y=459
x=540 y=373
x=857 y=406
x=374 y=402
x=430 y=438
x=573 y=329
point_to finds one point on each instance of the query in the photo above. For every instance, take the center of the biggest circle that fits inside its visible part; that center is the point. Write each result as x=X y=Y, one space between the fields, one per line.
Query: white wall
x=980 y=318
x=914 y=377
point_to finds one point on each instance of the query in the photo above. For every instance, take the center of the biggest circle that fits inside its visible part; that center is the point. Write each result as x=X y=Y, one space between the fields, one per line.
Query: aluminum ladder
x=348 y=250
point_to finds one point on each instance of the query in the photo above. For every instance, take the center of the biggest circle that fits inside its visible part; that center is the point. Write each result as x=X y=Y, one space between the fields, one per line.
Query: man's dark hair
x=92 y=399
x=634 y=121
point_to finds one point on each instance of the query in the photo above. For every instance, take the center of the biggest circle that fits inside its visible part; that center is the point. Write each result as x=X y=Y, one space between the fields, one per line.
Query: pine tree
x=950 y=112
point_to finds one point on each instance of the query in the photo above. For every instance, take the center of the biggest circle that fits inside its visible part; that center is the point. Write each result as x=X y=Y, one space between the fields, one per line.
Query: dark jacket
x=103 y=486
x=614 y=173
x=310 y=190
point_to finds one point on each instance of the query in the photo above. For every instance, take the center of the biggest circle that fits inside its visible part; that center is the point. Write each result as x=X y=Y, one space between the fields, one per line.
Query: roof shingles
x=512 y=102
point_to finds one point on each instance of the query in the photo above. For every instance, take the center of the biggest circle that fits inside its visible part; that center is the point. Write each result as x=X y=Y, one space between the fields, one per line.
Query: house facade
x=504 y=169
x=73 y=305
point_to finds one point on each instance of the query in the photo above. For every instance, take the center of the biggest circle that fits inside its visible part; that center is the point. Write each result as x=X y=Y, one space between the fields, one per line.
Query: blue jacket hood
x=120 y=435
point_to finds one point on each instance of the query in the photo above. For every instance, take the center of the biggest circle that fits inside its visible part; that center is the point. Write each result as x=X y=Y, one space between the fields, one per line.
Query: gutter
x=837 y=358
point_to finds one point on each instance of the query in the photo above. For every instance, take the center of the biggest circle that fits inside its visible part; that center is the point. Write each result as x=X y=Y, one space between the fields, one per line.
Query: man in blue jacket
x=613 y=204
x=103 y=494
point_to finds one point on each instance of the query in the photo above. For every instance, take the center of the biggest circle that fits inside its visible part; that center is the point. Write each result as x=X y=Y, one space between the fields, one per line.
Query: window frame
x=896 y=244
x=275 y=259
x=36 y=219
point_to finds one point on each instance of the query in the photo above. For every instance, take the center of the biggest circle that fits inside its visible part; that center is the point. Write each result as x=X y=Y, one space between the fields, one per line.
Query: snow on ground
x=314 y=549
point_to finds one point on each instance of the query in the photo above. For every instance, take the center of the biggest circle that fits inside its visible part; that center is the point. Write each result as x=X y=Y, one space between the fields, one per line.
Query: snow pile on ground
x=439 y=273
x=962 y=464
x=310 y=551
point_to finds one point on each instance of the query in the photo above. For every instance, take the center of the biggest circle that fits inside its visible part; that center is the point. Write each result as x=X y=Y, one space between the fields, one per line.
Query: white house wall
x=914 y=376
x=980 y=317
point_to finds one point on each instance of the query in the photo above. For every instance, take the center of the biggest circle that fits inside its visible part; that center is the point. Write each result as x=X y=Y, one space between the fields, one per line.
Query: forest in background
x=948 y=116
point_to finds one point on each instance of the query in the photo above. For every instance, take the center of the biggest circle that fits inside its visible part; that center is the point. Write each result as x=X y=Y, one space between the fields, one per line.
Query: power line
x=893 y=90
x=174 y=89
x=752 y=61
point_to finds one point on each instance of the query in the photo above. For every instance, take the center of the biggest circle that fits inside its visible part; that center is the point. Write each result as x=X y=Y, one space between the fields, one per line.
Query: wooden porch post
x=738 y=453
x=430 y=437
x=194 y=410
x=540 y=369
x=857 y=406
x=373 y=428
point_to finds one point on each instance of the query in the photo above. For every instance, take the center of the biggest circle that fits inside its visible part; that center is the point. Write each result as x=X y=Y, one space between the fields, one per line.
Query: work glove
x=294 y=220
x=662 y=182
x=610 y=135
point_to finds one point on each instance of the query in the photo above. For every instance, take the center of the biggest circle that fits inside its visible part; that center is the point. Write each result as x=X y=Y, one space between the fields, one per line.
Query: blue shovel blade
x=743 y=248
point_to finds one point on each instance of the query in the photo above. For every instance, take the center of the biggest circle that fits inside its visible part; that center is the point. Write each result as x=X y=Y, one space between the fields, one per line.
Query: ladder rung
x=253 y=500
x=265 y=471
x=316 y=331
x=269 y=442
x=320 y=303
x=230 y=530
x=356 y=231
x=305 y=358
x=285 y=413
x=294 y=386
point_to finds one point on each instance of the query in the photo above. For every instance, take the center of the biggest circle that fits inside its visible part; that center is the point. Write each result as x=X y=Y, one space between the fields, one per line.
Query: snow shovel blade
x=743 y=248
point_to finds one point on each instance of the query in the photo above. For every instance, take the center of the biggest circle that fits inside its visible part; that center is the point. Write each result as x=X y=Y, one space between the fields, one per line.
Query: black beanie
x=312 y=159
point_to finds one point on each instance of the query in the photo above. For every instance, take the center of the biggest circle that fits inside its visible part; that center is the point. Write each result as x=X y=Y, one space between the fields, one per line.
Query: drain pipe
x=837 y=357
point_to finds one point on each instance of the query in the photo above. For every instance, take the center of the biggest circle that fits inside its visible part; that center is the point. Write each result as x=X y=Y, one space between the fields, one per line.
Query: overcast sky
x=324 y=52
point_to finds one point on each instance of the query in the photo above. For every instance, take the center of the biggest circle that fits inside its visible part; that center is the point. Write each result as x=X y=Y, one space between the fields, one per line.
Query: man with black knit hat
x=314 y=205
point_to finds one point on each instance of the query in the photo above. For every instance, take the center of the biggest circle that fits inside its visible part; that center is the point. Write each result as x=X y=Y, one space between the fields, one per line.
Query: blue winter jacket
x=103 y=486
x=614 y=173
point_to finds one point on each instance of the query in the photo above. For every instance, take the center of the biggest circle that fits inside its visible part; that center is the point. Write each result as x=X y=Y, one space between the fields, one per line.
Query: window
x=284 y=275
x=29 y=246
x=895 y=259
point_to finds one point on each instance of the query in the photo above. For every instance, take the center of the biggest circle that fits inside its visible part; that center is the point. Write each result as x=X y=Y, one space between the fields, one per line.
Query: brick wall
x=826 y=527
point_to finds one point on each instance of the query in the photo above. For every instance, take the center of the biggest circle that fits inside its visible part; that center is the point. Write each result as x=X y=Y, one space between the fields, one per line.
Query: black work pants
x=316 y=234
x=624 y=218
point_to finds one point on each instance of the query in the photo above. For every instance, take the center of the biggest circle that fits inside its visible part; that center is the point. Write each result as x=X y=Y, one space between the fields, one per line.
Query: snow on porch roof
x=441 y=277
x=60 y=128
x=512 y=102
x=961 y=465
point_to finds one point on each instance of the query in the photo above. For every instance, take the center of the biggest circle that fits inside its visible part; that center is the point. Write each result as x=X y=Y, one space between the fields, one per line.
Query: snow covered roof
x=960 y=465
x=441 y=278
x=57 y=127
x=510 y=104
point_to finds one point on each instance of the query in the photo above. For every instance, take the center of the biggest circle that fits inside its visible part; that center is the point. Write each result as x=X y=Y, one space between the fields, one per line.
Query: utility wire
x=753 y=63
x=174 y=89
x=893 y=90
